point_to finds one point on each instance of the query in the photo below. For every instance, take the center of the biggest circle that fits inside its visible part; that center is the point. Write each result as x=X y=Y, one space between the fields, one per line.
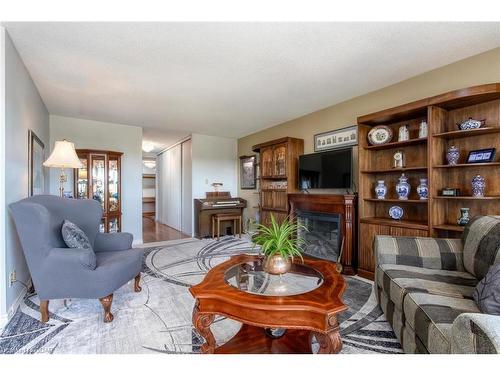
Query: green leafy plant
x=280 y=238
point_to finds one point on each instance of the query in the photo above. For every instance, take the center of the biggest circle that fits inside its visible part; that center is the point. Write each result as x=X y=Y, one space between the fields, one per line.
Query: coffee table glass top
x=250 y=277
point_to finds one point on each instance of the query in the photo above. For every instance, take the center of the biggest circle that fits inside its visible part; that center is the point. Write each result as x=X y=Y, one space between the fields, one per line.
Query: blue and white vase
x=403 y=187
x=478 y=186
x=380 y=189
x=464 y=216
x=423 y=189
x=452 y=155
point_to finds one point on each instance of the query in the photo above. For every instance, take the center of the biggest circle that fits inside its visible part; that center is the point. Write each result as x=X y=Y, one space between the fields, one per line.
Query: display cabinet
x=278 y=177
x=100 y=179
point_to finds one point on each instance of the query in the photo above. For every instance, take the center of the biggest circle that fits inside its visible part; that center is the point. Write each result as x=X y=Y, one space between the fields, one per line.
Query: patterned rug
x=158 y=319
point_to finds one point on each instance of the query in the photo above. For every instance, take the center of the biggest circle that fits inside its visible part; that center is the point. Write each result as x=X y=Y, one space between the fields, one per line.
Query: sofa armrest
x=476 y=333
x=426 y=252
x=70 y=259
x=113 y=241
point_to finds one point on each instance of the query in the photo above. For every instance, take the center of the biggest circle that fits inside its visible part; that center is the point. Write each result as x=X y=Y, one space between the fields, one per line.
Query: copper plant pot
x=277 y=265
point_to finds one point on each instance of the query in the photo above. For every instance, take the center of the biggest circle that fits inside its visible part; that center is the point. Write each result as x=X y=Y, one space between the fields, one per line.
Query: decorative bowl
x=471 y=124
x=379 y=135
x=396 y=212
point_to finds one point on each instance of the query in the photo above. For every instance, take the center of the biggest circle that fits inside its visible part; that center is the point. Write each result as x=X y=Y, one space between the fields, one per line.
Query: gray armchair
x=60 y=272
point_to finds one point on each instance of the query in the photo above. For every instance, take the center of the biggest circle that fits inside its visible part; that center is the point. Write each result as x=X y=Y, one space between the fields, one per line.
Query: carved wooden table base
x=303 y=315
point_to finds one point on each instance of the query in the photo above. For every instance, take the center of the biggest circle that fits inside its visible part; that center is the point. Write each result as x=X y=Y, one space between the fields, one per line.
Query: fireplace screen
x=324 y=235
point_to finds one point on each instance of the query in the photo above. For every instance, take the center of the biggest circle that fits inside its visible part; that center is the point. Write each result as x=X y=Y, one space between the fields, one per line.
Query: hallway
x=153 y=231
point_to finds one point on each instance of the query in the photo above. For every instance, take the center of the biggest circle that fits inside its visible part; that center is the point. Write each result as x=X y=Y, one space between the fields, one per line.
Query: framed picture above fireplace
x=339 y=138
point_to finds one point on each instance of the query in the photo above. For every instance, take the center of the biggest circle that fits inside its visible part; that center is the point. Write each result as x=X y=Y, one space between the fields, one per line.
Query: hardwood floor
x=153 y=231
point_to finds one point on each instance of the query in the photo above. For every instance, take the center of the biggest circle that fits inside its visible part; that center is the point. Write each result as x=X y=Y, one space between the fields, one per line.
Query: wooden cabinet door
x=280 y=200
x=267 y=199
x=367 y=233
x=279 y=160
x=266 y=162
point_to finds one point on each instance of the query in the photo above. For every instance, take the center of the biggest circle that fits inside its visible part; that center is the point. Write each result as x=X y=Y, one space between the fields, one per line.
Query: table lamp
x=63 y=156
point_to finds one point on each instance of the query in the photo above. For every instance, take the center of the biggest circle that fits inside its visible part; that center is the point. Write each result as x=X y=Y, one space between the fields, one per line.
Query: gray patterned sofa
x=425 y=287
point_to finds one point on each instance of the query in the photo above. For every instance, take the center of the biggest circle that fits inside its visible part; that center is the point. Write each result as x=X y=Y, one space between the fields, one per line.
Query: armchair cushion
x=113 y=241
x=74 y=237
x=487 y=292
x=481 y=244
x=425 y=252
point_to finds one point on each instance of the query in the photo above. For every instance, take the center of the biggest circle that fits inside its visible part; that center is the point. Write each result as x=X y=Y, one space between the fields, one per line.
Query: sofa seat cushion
x=431 y=317
x=398 y=280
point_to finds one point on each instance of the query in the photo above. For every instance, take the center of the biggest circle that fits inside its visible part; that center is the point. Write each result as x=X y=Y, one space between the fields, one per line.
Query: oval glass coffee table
x=299 y=304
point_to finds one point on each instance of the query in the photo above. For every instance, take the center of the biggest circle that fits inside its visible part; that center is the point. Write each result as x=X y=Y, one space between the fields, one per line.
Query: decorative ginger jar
x=380 y=189
x=452 y=155
x=478 y=186
x=403 y=187
x=423 y=189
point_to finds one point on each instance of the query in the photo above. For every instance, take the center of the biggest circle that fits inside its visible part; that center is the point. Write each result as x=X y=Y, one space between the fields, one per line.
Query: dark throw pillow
x=74 y=237
x=487 y=292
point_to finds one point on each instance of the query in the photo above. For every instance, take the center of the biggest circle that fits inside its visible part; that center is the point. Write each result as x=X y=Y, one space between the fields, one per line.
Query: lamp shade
x=63 y=156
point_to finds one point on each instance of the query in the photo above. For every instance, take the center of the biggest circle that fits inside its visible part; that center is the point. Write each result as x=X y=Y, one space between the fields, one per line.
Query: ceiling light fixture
x=147 y=146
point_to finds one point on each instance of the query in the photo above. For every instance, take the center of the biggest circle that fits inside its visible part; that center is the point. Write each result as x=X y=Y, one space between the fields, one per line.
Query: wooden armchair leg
x=137 y=280
x=106 y=304
x=44 y=310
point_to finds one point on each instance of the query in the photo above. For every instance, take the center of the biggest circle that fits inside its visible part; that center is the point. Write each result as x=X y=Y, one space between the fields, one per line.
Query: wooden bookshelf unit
x=426 y=158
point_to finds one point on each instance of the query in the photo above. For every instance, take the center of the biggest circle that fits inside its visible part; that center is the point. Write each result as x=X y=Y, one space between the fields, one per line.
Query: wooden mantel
x=343 y=204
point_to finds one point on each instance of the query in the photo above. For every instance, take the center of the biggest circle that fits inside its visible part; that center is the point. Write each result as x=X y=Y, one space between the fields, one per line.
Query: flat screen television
x=326 y=170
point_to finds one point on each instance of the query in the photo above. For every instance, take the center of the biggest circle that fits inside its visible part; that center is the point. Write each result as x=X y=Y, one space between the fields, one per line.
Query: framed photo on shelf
x=338 y=138
x=248 y=172
x=36 y=156
x=486 y=155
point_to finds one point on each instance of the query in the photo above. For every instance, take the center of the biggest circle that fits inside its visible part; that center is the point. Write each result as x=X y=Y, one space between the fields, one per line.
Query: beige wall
x=475 y=70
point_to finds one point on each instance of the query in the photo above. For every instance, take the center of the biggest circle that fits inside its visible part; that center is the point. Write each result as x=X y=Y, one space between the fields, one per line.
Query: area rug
x=158 y=319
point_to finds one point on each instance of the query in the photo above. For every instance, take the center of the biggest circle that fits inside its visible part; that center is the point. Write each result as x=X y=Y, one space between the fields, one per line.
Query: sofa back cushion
x=481 y=244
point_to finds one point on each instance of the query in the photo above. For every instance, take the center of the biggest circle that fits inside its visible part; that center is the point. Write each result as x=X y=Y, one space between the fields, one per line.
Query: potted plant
x=279 y=244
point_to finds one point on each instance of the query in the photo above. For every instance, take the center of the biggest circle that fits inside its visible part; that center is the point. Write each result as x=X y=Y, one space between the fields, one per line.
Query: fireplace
x=329 y=218
x=323 y=236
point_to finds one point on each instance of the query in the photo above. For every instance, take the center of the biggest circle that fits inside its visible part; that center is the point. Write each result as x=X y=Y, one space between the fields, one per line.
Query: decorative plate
x=396 y=212
x=379 y=135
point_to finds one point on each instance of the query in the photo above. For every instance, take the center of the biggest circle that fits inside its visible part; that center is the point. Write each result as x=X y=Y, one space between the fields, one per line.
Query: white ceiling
x=228 y=79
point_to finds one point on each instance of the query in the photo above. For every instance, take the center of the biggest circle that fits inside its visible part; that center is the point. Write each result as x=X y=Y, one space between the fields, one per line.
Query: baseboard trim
x=137 y=242
x=4 y=318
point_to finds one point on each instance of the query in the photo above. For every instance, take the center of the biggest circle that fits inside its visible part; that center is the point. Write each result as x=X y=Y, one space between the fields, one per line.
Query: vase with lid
x=403 y=187
x=478 y=186
x=452 y=155
x=380 y=189
x=423 y=189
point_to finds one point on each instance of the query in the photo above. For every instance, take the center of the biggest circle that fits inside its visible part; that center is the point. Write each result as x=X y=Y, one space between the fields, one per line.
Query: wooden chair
x=217 y=218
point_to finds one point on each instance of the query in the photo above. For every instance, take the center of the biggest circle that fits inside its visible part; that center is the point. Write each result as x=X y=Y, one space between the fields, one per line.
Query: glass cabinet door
x=82 y=182
x=98 y=179
x=280 y=160
x=113 y=185
x=113 y=225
